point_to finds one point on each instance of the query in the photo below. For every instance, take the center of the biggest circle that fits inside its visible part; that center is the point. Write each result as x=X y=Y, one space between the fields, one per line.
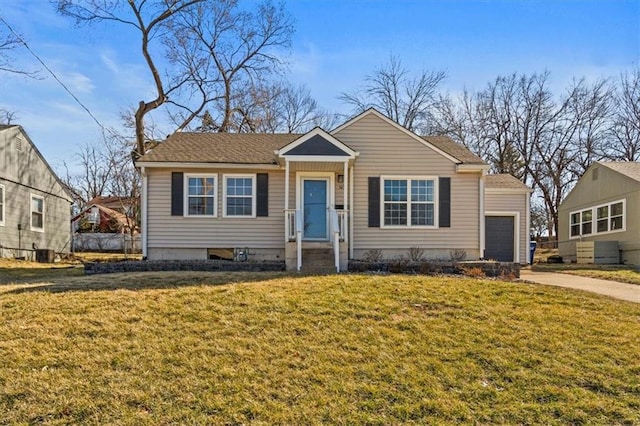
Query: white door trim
x=516 y=230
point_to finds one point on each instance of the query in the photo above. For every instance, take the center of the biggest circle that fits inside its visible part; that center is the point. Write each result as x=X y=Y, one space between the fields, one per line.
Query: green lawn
x=211 y=348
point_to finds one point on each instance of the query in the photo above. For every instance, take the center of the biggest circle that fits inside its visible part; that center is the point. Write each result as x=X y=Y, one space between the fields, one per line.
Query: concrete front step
x=318 y=261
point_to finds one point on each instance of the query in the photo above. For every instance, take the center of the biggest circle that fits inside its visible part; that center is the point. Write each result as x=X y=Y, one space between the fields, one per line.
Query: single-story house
x=98 y=218
x=603 y=208
x=35 y=206
x=368 y=186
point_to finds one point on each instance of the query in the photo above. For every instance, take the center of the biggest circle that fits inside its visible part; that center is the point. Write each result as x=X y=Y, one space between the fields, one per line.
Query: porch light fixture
x=340 y=178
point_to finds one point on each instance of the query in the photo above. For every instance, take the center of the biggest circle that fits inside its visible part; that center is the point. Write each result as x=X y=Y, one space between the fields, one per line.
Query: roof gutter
x=187 y=165
x=472 y=168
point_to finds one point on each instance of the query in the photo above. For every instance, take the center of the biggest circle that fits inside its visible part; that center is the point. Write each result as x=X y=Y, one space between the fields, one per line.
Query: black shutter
x=445 y=202
x=177 y=194
x=374 y=202
x=262 y=194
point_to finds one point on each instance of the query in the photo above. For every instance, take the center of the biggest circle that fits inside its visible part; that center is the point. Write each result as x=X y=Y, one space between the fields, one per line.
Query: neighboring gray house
x=369 y=185
x=35 y=207
x=604 y=206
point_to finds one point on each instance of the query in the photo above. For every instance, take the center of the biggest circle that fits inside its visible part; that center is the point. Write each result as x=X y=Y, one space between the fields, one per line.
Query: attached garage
x=500 y=240
x=506 y=219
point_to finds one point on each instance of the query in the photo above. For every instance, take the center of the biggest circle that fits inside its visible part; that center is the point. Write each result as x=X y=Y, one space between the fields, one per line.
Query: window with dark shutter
x=445 y=202
x=177 y=194
x=374 y=202
x=262 y=190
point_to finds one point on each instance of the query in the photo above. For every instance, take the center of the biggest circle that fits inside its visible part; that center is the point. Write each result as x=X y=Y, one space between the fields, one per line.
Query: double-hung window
x=2 y=205
x=239 y=196
x=37 y=213
x=409 y=201
x=201 y=195
x=597 y=220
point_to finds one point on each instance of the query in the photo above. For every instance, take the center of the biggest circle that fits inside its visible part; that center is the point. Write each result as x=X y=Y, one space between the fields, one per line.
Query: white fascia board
x=505 y=191
x=318 y=158
x=472 y=168
x=399 y=127
x=182 y=165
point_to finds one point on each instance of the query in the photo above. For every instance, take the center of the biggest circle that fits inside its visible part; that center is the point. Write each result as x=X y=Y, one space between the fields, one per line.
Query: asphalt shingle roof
x=630 y=169
x=257 y=148
x=237 y=148
x=454 y=149
x=503 y=181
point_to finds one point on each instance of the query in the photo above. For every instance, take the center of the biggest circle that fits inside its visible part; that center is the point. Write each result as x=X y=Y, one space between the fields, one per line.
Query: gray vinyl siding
x=167 y=231
x=511 y=203
x=23 y=173
x=610 y=186
x=386 y=150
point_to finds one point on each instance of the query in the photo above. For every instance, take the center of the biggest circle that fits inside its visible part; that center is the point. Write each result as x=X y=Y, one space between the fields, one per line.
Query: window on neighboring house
x=608 y=218
x=408 y=202
x=617 y=216
x=575 y=224
x=239 y=195
x=1 y=205
x=201 y=195
x=37 y=213
x=587 y=221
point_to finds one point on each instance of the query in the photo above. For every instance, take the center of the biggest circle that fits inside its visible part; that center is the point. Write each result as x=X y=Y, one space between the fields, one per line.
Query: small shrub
x=372 y=255
x=398 y=265
x=458 y=255
x=475 y=272
x=416 y=253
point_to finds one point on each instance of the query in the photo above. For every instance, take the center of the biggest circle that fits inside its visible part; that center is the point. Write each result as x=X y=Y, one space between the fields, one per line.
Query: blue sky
x=337 y=43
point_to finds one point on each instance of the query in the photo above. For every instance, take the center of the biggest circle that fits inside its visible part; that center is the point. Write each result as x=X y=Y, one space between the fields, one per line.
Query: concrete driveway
x=623 y=291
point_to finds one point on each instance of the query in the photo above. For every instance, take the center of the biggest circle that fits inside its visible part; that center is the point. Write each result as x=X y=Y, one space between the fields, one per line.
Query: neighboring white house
x=35 y=206
x=369 y=185
x=603 y=207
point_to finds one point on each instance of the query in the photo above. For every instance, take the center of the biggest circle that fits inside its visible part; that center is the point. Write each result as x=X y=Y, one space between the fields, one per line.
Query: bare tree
x=283 y=108
x=625 y=129
x=10 y=40
x=150 y=18
x=93 y=174
x=226 y=55
x=405 y=99
x=6 y=116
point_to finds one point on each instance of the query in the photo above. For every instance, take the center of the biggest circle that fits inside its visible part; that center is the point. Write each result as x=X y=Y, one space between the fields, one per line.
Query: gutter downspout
x=528 y=226
x=145 y=220
x=481 y=218
x=351 y=191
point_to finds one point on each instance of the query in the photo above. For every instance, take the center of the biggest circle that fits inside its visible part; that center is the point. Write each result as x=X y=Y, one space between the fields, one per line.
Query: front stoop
x=318 y=261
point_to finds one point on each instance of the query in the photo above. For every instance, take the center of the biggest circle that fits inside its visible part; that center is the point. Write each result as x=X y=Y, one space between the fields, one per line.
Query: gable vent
x=18 y=143
x=594 y=174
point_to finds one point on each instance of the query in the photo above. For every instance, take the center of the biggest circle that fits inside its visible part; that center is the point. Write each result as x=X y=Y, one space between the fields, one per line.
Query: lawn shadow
x=140 y=281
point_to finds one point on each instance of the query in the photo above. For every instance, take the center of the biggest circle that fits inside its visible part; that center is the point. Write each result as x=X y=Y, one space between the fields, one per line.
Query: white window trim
x=4 y=206
x=215 y=195
x=44 y=210
x=253 y=195
x=594 y=219
x=436 y=202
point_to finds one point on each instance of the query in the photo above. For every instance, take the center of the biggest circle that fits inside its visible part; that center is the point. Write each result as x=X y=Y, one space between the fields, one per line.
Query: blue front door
x=314 y=200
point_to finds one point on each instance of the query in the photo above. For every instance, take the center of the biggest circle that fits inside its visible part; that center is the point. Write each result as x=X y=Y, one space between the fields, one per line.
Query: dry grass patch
x=209 y=348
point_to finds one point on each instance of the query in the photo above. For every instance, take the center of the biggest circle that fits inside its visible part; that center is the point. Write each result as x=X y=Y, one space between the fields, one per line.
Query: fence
x=106 y=242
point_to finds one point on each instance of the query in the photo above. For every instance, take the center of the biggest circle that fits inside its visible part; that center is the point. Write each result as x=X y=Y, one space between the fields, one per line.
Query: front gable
x=23 y=163
x=368 y=115
x=317 y=144
x=598 y=183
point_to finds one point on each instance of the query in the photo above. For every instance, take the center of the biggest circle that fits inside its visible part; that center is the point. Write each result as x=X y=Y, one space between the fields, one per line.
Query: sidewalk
x=622 y=291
